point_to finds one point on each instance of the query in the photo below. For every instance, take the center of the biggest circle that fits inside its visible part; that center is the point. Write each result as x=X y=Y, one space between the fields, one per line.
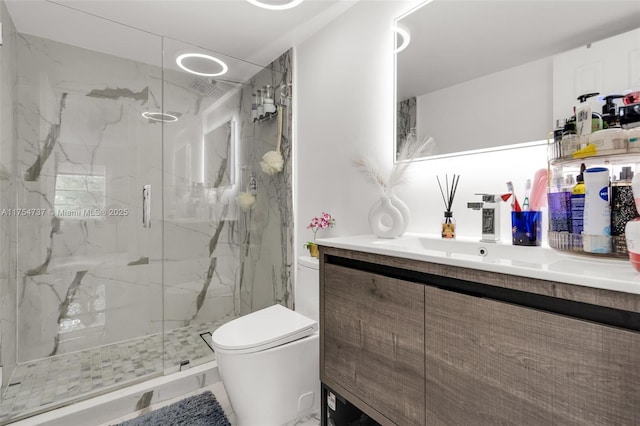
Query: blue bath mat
x=198 y=410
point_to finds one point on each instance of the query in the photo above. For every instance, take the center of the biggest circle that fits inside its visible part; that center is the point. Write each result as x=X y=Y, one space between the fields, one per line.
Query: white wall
x=344 y=94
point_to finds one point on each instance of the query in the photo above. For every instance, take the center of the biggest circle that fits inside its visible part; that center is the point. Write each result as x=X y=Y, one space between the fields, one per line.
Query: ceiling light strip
x=182 y=57
x=291 y=4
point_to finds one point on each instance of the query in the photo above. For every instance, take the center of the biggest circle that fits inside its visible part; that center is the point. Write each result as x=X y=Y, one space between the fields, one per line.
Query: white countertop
x=534 y=262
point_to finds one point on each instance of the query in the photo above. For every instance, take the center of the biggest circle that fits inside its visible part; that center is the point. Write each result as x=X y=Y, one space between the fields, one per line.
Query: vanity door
x=490 y=362
x=372 y=343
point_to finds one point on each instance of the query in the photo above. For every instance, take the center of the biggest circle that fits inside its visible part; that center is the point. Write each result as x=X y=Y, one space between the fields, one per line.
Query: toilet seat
x=262 y=330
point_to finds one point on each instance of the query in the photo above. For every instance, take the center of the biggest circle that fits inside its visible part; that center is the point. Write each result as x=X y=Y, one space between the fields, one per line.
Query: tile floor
x=221 y=395
x=50 y=382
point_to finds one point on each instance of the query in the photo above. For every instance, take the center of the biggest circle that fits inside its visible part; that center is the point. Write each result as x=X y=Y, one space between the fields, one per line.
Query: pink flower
x=323 y=222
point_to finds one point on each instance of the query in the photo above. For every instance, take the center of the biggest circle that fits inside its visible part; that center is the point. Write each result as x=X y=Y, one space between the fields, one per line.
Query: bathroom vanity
x=418 y=331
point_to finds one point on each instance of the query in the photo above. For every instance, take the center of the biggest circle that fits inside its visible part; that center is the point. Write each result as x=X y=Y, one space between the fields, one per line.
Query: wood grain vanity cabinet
x=374 y=341
x=414 y=343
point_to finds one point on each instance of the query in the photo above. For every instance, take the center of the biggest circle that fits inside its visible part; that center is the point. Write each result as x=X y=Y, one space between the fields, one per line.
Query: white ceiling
x=233 y=28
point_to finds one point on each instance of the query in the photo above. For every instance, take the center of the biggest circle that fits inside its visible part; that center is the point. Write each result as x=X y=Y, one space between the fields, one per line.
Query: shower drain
x=207 y=339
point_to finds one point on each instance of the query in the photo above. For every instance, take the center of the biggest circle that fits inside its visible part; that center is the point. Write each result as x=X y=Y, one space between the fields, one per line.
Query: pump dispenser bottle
x=577 y=208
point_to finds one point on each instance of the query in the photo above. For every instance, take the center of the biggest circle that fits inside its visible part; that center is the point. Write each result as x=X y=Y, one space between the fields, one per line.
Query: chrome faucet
x=490 y=207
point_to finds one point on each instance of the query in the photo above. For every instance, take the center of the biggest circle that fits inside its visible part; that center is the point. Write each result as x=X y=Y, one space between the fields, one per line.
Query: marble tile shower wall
x=267 y=258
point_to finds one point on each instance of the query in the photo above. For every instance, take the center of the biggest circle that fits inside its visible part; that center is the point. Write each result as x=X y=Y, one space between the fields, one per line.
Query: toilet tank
x=307 y=287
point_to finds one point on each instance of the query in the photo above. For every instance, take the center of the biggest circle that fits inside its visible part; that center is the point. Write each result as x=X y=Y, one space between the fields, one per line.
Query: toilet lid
x=261 y=330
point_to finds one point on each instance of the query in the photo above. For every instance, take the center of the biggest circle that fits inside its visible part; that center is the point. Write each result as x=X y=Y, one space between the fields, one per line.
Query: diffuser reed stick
x=448 y=223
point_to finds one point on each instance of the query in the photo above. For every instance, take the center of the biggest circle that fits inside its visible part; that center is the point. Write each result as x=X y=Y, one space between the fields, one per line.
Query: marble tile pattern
x=267 y=255
x=53 y=381
x=405 y=118
x=8 y=240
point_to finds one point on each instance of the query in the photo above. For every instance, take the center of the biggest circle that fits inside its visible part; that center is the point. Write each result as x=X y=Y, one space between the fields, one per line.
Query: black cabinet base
x=337 y=411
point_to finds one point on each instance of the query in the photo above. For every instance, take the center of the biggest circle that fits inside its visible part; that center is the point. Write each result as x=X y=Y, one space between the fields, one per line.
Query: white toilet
x=269 y=359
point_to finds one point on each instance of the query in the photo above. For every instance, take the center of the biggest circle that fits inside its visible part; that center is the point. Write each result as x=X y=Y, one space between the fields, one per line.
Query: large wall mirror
x=479 y=74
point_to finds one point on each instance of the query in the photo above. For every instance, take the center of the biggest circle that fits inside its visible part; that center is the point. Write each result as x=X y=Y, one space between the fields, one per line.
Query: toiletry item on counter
x=596 y=236
x=515 y=205
x=629 y=113
x=555 y=148
x=633 y=139
x=587 y=121
x=577 y=203
x=559 y=200
x=570 y=141
x=609 y=141
x=632 y=228
x=526 y=228
x=448 y=225
x=623 y=207
x=629 y=116
x=448 y=222
x=527 y=191
x=609 y=111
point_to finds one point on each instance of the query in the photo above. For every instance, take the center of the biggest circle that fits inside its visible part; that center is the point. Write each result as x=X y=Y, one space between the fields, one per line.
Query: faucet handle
x=475 y=206
x=487 y=198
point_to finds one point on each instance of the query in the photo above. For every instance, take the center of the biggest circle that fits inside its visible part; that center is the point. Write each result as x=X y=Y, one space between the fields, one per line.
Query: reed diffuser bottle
x=448 y=225
x=448 y=222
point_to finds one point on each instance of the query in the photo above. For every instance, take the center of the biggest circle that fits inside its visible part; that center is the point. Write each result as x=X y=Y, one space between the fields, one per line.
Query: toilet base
x=275 y=386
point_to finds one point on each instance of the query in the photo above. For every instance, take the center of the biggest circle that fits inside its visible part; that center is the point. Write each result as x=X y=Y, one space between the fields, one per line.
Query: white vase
x=404 y=211
x=385 y=219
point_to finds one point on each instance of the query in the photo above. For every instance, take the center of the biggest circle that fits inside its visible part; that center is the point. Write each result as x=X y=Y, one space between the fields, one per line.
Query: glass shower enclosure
x=121 y=244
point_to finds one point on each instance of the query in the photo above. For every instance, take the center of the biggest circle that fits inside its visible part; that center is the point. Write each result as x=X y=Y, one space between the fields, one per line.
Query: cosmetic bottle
x=592 y=118
x=260 y=99
x=254 y=107
x=596 y=234
x=633 y=139
x=577 y=209
x=569 y=142
x=269 y=105
x=555 y=148
x=629 y=113
x=623 y=208
x=609 y=111
x=559 y=200
x=611 y=139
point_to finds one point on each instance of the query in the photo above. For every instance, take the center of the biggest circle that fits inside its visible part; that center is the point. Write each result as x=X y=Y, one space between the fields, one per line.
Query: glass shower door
x=89 y=295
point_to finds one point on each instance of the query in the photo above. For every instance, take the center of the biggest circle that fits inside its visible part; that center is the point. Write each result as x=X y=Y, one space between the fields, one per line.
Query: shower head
x=212 y=88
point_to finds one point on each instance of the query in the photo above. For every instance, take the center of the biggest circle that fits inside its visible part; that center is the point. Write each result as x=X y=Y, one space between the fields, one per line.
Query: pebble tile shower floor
x=51 y=382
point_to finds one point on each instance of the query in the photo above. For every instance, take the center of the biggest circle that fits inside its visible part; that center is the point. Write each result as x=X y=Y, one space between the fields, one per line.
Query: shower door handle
x=146 y=206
